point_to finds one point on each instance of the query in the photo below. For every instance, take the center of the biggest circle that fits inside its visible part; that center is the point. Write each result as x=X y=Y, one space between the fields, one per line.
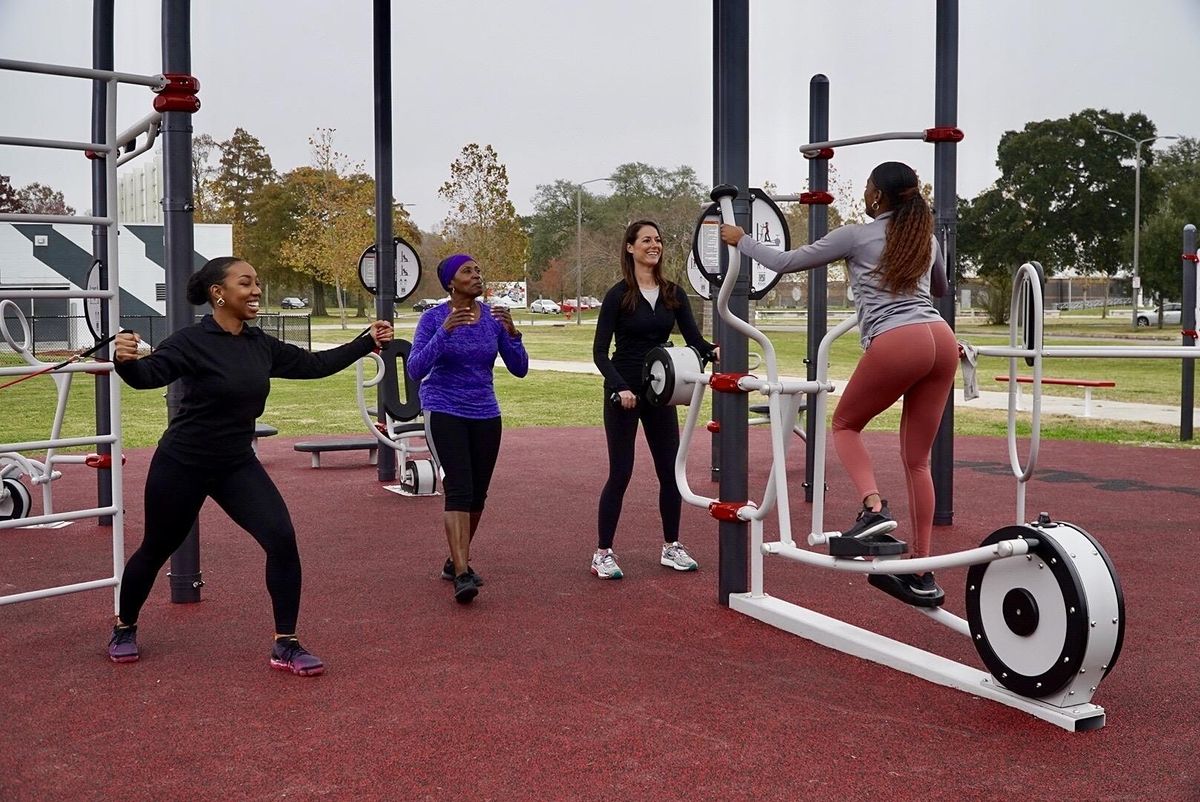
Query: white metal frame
x=110 y=151
x=829 y=631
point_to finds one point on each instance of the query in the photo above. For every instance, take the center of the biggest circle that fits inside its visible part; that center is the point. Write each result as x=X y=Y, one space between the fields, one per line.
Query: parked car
x=428 y=303
x=293 y=303
x=545 y=306
x=586 y=302
x=1172 y=315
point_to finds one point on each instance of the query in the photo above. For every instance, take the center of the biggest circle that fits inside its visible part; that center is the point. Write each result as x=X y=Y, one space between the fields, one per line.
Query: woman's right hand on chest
x=458 y=317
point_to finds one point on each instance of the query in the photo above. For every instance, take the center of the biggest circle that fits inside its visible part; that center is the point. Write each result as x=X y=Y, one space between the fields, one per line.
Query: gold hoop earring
x=220 y=302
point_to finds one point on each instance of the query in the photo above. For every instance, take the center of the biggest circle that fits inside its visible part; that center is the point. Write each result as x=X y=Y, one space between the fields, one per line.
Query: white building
x=140 y=190
x=37 y=256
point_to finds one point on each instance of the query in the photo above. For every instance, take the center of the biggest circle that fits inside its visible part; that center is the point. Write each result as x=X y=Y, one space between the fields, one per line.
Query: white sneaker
x=674 y=555
x=604 y=564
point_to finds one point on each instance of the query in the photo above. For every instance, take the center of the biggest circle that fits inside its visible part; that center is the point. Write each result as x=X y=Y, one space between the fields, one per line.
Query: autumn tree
x=204 y=174
x=244 y=169
x=336 y=220
x=9 y=200
x=482 y=220
x=41 y=199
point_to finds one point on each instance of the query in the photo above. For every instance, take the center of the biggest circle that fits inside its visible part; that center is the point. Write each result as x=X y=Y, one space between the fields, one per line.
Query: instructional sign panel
x=408 y=270
x=767 y=225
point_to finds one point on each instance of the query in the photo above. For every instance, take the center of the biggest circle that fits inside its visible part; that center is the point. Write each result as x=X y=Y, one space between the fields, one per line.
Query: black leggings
x=661 y=425
x=466 y=449
x=174 y=494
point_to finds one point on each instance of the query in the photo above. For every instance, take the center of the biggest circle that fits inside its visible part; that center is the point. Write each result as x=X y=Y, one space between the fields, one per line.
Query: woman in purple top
x=453 y=352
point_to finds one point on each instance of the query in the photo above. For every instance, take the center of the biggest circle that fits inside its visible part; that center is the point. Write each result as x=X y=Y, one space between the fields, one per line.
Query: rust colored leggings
x=918 y=362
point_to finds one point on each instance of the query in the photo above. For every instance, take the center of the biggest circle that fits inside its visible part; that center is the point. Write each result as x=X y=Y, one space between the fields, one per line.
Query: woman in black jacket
x=640 y=311
x=225 y=369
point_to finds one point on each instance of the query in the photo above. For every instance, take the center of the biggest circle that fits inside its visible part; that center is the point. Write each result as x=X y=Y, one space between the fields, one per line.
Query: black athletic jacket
x=637 y=333
x=225 y=380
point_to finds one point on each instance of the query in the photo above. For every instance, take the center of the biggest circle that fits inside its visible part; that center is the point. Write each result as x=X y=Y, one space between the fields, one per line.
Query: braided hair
x=908 y=249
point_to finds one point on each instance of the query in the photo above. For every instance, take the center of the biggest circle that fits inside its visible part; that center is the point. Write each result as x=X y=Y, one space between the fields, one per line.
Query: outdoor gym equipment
x=1044 y=605
x=398 y=431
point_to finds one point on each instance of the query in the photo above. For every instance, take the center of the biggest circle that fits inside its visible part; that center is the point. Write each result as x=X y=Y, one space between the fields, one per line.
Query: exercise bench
x=316 y=449
x=1086 y=384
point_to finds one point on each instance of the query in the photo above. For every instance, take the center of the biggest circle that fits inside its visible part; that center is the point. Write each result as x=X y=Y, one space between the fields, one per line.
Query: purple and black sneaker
x=289 y=655
x=122 y=647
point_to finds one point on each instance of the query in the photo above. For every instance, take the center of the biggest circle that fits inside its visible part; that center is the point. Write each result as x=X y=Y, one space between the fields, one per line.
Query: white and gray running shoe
x=604 y=565
x=674 y=555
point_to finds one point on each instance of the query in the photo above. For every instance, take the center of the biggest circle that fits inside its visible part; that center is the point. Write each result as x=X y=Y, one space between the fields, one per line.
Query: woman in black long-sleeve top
x=225 y=369
x=640 y=311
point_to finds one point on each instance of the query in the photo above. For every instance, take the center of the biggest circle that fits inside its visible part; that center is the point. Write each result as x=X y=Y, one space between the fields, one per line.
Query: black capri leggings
x=174 y=494
x=661 y=425
x=466 y=449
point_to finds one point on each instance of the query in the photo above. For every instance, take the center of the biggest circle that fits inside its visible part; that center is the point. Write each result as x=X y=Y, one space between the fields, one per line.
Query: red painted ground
x=553 y=685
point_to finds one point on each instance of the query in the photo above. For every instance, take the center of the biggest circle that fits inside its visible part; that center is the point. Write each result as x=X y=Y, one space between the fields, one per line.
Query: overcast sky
x=569 y=90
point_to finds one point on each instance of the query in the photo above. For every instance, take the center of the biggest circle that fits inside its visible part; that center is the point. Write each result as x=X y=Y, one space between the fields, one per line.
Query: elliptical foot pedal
x=876 y=545
x=897 y=588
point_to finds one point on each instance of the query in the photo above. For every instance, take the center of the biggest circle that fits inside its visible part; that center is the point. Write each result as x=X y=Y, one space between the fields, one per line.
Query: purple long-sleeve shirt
x=455 y=368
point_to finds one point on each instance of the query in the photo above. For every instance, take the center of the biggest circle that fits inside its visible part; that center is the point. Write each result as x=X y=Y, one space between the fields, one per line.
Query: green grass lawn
x=327 y=406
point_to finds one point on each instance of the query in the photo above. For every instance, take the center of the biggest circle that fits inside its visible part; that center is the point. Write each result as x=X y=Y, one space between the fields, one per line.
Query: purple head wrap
x=449 y=266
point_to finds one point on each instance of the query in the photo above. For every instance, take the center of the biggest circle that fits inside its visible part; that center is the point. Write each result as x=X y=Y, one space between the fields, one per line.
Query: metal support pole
x=818 y=277
x=179 y=240
x=385 y=247
x=731 y=165
x=945 y=205
x=1136 y=289
x=1187 y=395
x=102 y=59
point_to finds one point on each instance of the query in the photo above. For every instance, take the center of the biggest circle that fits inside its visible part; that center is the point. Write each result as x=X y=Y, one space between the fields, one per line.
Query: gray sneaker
x=674 y=555
x=604 y=565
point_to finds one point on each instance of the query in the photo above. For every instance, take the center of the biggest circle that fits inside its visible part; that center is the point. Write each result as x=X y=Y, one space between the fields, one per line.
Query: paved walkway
x=988 y=399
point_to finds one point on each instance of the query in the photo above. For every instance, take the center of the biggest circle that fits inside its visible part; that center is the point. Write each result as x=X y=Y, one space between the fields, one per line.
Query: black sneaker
x=465 y=588
x=122 y=647
x=288 y=655
x=870 y=524
x=922 y=584
x=448 y=572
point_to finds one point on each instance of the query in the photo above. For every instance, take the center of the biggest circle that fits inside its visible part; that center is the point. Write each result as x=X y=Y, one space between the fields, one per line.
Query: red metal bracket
x=944 y=133
x=823 y=153
x=1191 y=257
x=179 y=94
x=101 y=461
x=727 y=382
x=713 y=426
x=816 y=198
x=1191 y=333
x=726 y=510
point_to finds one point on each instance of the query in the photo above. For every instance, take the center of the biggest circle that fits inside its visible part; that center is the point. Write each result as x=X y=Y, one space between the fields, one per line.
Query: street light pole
x=1136 y=289
x=579 y=246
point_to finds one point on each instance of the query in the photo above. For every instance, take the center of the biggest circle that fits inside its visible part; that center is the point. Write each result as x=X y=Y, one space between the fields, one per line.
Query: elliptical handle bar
x=724 y=194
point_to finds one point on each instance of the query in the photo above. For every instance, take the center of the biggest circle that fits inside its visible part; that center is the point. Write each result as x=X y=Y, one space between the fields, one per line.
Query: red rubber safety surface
x=555 y=685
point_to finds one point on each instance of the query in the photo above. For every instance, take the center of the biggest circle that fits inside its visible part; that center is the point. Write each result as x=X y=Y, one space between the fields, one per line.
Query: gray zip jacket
x=861 y=245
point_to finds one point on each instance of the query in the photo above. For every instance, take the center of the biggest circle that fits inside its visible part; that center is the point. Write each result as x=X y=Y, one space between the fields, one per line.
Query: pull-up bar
x=824 y=150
